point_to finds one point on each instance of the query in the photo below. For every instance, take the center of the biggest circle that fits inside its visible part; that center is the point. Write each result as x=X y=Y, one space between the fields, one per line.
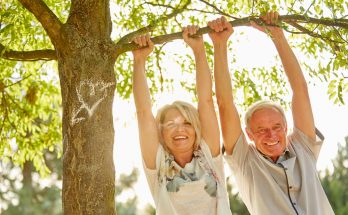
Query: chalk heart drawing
x=89 y=95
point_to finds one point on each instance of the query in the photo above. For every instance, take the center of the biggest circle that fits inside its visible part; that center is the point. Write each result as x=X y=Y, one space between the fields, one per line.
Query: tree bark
x=86 y=69
x=88 y=83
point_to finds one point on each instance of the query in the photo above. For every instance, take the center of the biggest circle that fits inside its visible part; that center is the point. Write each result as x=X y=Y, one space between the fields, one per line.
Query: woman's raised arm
x=148 y=132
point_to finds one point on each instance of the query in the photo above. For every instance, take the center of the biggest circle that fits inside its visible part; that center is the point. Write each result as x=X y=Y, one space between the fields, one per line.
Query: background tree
x=126 y=182
x=236 y=204
x=23 y=193
x=335 y=183
x=80 y=49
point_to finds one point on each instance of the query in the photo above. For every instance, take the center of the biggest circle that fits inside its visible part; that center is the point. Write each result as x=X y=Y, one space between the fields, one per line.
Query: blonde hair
x=265 y=104
x=188 y=111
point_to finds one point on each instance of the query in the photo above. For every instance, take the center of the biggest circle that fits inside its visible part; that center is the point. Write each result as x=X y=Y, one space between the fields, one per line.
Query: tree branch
x=46 y=17
x=304 y=30
x=17 y=82
x=45 y=54
x=217 y=9
x=158 y=64
x=123 y=45
x=202 y=11
x=121 y=48
x=129 y=37
x=309 y=7
x=339 y=34
x=189 y=9
x=159 y=5
x=342 y=23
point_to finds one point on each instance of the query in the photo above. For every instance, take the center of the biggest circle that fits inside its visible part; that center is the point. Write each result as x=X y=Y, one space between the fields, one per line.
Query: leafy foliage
x=29 y=92
x=30 y=113
x=236 y=204
x=335 y=183
x=324 y=47
x=33 y=198
x=23 y=190
x=30 y=117
x=126 y=182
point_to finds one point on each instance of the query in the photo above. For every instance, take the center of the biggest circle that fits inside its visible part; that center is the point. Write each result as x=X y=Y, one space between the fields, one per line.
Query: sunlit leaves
x=260 y=83
x=326 y=54
x=123 y=69
x=30 y=116
x=29 y=97
x=60 y=8
x=23 y=31
x=337 y=89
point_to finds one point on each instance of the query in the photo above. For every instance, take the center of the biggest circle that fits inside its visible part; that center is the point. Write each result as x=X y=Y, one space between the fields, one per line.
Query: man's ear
x=250 y=134
x=285 y=127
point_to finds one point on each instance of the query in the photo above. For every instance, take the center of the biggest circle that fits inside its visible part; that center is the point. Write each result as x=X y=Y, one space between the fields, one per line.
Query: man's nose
x=271 y=133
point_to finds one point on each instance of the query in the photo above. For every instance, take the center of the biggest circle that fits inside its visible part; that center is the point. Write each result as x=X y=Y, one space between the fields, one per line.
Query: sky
x=330 y=119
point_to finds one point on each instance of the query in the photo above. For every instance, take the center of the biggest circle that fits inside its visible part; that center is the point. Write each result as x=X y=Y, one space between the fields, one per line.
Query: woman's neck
x=183 y=158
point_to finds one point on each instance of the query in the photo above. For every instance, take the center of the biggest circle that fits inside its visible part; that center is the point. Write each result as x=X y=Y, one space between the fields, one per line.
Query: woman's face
x=178 y=134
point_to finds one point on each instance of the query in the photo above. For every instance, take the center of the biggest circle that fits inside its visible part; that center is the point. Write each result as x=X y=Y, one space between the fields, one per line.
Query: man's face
x=268 y=131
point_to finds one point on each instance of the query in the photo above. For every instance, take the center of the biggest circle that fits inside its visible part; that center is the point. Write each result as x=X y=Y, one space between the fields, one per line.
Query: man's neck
x=278 y=159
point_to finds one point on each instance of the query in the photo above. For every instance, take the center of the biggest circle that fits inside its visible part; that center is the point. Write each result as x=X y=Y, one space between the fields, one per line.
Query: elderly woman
x=181 y=146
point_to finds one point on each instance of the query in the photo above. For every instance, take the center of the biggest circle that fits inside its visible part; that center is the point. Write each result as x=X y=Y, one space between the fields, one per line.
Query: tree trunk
x=88 y=85
x=27 y=190
x=87 y=79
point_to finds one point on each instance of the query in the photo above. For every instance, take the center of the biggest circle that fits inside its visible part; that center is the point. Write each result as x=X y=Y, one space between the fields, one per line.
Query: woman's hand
x=146 y=47
x=271 y=21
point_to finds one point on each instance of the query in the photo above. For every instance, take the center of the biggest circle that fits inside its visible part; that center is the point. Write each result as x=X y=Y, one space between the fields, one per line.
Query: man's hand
x=271 y=27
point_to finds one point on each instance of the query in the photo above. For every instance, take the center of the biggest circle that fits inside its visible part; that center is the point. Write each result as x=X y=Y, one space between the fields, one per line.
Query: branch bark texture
x=46 y=54
x=124 y=45
x=340 y=23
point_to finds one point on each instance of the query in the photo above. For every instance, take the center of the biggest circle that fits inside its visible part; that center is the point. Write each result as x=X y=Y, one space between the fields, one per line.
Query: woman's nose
x=180 y=126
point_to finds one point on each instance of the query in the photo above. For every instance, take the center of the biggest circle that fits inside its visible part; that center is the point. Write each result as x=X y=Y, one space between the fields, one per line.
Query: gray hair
x=263 y=104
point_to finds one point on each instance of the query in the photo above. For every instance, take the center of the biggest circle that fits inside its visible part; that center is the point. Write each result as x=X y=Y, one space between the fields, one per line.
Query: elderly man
x=277 y=174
